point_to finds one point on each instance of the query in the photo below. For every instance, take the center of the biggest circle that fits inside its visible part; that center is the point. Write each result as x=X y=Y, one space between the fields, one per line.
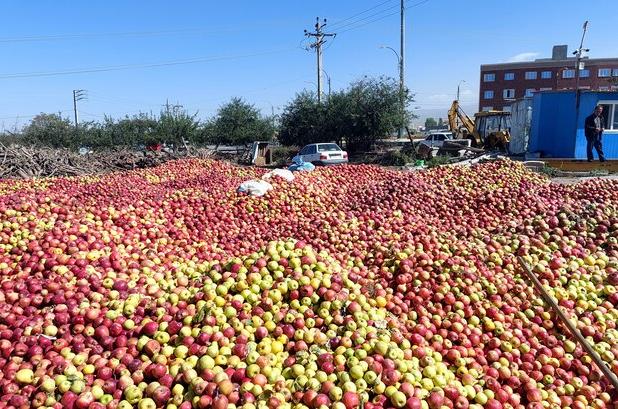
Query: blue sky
x=254 y=49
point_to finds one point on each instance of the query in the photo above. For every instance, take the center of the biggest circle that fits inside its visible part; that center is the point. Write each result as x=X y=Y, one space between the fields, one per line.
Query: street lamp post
x=401 y=91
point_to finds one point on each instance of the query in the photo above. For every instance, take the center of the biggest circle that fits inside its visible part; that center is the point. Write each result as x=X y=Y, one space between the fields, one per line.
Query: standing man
x=595 y=124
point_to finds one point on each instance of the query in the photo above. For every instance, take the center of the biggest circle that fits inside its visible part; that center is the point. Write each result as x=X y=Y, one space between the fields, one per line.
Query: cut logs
x=19 y=162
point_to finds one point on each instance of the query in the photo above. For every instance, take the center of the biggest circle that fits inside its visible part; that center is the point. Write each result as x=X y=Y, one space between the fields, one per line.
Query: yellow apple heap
x=279 y=288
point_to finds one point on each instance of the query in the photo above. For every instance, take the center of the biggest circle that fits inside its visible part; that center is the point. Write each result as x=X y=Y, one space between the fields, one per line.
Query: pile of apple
x=352 y=286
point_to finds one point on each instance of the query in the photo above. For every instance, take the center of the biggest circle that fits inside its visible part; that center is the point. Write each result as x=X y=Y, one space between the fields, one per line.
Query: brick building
x=501 y=84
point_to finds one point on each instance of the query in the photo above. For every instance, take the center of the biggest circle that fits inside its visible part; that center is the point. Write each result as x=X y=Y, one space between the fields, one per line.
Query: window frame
x=602 y=71
x=546 y=77
x=531 y=93
x=531 y=75
x=570 y=71
x=581 y=73
x=491 y=92
x=505 y=92
x=612 y=115
x=488 y=75
x=509 y=76
x=614 y=72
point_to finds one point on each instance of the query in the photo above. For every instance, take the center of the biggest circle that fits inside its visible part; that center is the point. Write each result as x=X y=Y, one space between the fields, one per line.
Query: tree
x=440 y=123
x=175 y=126
x=430 y=123
x=372 y=112
x=50 y=130
x=239 y=123
x=369 y=109
x=131 y=131
x=303 y=121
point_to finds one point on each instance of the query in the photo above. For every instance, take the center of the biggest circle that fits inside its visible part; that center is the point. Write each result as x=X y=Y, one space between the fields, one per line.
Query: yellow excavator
x=489 y=130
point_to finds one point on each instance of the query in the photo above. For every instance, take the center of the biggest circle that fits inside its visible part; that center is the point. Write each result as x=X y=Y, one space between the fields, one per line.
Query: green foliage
x=437 y=161
x=240 y=123
x=50 y=130
x=174 y=127
x=283 y=154
x=396 y=158
x=143 y=129
x=302 y=121
x=368 y=110
x=430 y=123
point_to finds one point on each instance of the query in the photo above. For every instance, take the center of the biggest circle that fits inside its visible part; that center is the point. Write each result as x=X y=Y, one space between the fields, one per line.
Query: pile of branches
x=18 y=162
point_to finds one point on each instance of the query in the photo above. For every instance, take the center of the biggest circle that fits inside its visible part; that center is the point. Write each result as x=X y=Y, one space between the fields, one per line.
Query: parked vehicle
x=436 y=139
x=323 y=154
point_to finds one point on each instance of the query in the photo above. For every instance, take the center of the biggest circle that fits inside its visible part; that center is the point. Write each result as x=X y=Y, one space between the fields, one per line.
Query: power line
x=19 y=116
x=351 y=23
x=354 y=27
x=54 y=37
x=137 y=66
x=77 y=36
x=337 y=23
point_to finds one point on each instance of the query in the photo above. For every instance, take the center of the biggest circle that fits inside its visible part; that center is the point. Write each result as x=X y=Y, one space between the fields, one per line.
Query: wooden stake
x=571 y=327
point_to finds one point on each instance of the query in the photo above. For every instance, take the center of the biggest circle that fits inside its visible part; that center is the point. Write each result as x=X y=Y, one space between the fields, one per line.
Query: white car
x=436 y=139
x=323 y=154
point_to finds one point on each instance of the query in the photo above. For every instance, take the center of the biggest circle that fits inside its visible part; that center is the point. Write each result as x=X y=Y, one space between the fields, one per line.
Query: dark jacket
x=591 y=128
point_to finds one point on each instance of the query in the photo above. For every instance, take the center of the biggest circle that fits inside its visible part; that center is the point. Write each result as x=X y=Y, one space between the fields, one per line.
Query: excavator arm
x=467 y=124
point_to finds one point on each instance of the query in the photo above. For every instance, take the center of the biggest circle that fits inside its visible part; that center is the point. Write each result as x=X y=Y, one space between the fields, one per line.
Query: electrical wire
x=137 y=66
x=77 y=36
x=352 y=23
x=354 y=27
x=336 y=23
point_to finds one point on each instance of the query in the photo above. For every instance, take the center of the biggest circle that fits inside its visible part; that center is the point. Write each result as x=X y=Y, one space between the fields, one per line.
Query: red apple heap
x=143 y=289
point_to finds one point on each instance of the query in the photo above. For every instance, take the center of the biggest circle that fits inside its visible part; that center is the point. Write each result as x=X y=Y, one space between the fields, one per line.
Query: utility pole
x=401 y=69
x=78 y=95
x=171 y=108
x=319 y=42
x=578 y=54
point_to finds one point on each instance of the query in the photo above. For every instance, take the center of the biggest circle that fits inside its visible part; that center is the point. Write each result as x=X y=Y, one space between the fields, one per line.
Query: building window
x=615 y=72
x=610 y=112
x=529 y=92
x=546 y=75
x=546 y=89
x=489 y=77
x=508 y=94
x=509 y=76
x=603 y=88
x=488 y=95
x=605 y=72
x=487 y=109
x=584 y=73
x=568 y=74
x=530 y=75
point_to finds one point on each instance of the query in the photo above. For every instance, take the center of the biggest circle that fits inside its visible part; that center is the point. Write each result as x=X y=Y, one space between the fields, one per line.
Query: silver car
x=323 y=154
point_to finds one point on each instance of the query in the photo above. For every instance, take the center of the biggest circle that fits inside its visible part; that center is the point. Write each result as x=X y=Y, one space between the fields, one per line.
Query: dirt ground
x=569 y=180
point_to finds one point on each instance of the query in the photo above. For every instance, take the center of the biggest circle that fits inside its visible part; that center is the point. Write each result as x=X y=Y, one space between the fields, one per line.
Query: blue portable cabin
x=552 y=133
